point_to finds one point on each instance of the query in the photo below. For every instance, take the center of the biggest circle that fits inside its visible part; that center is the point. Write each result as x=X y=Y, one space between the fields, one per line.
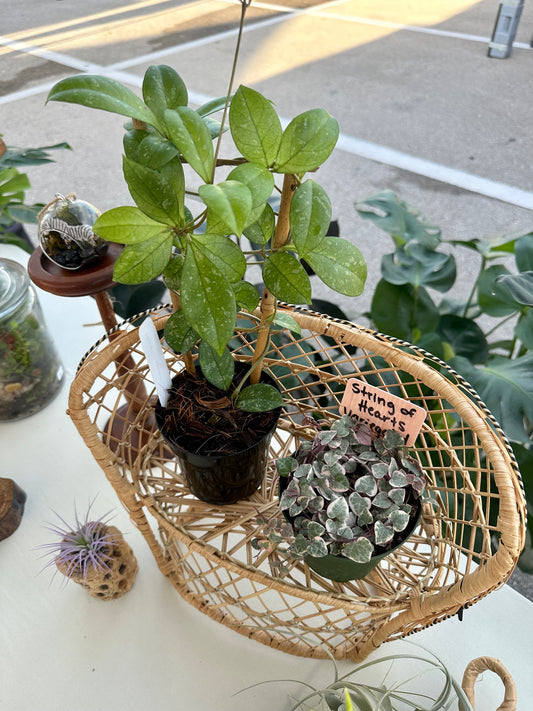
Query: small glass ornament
x=66 y=235
x=30 y=370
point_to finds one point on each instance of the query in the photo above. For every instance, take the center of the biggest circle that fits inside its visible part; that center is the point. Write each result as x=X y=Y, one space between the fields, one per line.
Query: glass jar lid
x=14 y=283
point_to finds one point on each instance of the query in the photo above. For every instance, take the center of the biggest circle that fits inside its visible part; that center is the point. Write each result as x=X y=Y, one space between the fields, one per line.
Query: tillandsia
x=82 y=546
x=202 y=236
x=345 y=494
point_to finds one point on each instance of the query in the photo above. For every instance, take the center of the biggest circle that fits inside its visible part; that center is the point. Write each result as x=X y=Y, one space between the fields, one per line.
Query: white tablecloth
x=61 y=650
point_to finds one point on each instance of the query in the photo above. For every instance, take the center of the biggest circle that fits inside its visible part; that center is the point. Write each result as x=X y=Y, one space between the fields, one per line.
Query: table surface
x=62 y=649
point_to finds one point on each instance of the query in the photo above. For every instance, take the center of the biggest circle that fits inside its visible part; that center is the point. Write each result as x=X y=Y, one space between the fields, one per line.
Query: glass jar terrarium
x=30 y=370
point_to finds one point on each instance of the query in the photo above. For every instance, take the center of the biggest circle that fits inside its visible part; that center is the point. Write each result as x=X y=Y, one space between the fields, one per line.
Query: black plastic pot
x=341 y=569
x=225 y=478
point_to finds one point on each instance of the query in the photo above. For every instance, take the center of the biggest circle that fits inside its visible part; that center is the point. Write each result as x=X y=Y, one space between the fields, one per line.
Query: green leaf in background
x=207 y=298
x=230 y=201
x=398 y=219
x=12 y=185
x=523 y=253
x=255 y=126
x=506 y=387
x=27 y=214
x=285 y=277
x=98 y=92
x=127 y=225
x=307 y=142
x=190 y=134
x=29 y=156
x=179 y=334
x=493 y=298
x=163 y=88
x=339 y=264
x=262 y=230
x=218 y=369
x=417 y=265
x=143 y=261
x=246 y=295
x=519 y=286
x=130 y=300
x=223 y=253
x=399 y=311
x=257 y=179
x=154 y=194
x=310 y=216
x=465 y=337
x=524 y=329
x=259 y=398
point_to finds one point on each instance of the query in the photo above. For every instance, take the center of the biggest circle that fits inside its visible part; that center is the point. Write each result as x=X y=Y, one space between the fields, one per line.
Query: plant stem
x=474 y=287
x=268 y=300
x=244 y=6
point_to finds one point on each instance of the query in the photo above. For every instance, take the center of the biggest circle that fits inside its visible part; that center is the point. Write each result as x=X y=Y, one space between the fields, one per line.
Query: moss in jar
x=30 y=373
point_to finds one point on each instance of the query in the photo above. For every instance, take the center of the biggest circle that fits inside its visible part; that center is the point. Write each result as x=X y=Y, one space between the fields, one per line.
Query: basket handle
x=477 y=667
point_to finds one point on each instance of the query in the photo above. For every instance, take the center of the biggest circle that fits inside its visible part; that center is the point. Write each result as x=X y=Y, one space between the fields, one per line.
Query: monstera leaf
x=506 y=387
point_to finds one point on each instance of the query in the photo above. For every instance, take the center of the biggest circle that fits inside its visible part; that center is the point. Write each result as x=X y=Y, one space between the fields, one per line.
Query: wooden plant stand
x=451 y=561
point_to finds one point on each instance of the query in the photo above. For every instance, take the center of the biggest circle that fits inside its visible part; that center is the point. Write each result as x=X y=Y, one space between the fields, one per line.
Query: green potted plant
x=199 y=232
x=14 y=212
x=347 y=500
x=93 y=554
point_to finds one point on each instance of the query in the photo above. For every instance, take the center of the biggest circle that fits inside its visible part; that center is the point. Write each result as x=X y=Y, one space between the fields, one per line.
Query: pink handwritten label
x=382 y=411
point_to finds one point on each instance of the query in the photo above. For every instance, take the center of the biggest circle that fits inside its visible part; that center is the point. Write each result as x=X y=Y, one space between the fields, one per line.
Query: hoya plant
x=197 y=227
x=345 y=494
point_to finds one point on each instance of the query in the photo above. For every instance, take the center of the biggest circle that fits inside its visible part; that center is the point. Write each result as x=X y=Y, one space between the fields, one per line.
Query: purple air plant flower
x=81 y=546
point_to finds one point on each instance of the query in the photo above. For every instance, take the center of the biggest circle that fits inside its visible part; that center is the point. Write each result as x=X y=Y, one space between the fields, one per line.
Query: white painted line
x=436 y=171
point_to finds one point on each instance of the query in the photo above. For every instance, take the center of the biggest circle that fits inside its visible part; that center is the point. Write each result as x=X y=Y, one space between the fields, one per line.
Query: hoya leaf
x=285 y=277
x=262 y=230
x=255 y=126
x=212 y=106
x=127 y=225
x=223 y=253
x=286 y=321
x=191 y=136
x=143 y=261
x=154 y=194
x=310 y=217
x=207 y=298
x=230 y=201
x=246 y=295
x=163 y=88
x=257 y=179
x=307 y=142
x=217 y=369
x=98 y=92
x=172 y=272
x=179 y=334
x=339 y=264
x=259 y=398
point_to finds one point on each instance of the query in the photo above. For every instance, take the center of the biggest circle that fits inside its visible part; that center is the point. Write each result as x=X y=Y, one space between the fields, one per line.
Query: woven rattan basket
x=466 y=545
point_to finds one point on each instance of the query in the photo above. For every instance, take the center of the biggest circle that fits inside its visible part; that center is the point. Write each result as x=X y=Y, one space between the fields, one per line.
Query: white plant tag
x=156 y=360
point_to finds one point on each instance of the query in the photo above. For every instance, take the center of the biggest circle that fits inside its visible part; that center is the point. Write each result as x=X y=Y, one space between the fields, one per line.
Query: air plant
x=344 y=693
x=81 y=547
